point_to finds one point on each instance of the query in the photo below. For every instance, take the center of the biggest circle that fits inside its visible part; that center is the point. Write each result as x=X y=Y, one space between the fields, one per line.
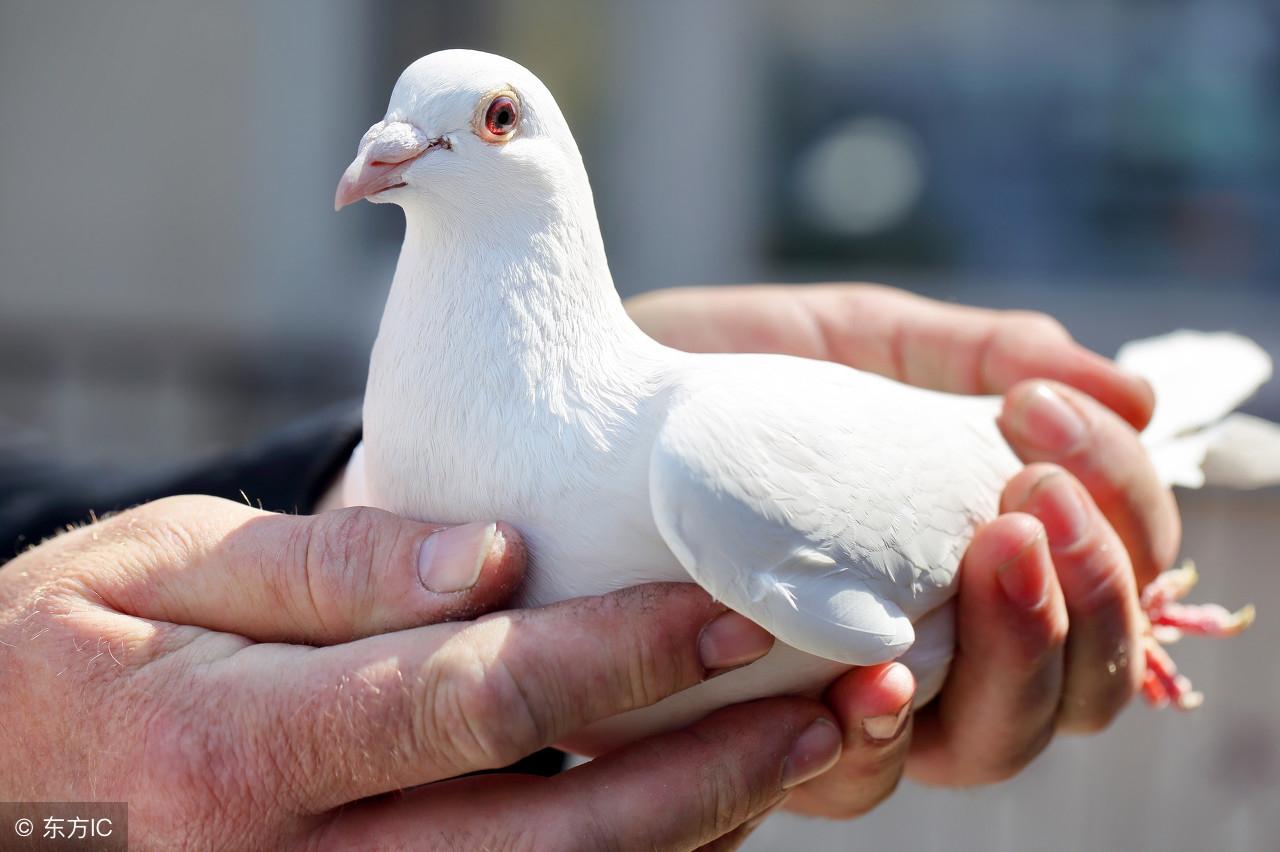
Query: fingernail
x=814 y=752
x=1023 y=579
x=1057 y=502
x=730 y=640
x=882 y=729
x=1046 y=421
x=450 y=559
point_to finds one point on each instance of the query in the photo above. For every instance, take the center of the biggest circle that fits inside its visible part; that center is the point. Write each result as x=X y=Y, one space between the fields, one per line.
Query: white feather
x=1244 y=453
x=1199 y=378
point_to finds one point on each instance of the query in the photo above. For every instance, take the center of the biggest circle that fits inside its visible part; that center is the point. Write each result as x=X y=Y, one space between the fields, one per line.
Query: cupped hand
x=1047 y=614
x=252 y=680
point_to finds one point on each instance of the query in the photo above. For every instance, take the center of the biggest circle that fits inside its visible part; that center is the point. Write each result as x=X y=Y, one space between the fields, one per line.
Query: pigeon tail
x=1199 y=379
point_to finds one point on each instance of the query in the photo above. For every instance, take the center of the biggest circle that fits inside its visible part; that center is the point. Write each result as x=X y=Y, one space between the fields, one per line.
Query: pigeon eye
x=500 y=118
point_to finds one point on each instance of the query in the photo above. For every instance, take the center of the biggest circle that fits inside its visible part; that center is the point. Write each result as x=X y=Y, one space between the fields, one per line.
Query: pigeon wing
x=828 y=505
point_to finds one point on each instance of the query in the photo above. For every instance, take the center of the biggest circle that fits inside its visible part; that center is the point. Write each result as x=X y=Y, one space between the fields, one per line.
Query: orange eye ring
x=500 y=118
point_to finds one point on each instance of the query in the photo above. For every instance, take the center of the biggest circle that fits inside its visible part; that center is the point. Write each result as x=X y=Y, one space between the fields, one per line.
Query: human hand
x=1069 y=555
x=229 y=673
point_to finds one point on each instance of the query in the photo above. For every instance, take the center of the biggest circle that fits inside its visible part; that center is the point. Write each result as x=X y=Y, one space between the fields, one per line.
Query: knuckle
x=656 y=660
x=340 y=556
x=1041 y=642
x=1103 y=593
x=644 y=673
x=865 y=780
x=1002 y=761
x=724 y=794
x=1003 y=765
x=524 y=838
x=476 y=712
x=164 y=525
x=206 y=779
x=1053 y=642
x=593 y=827
x=188 y=504
x=181 y=504
x=346 y=539
x=1037 y=471
x=1037 y=324
x=726 y=801
x=648 y=678
x=596 y=833
x=638 y=644
x=1019 y=492
x=866 y=800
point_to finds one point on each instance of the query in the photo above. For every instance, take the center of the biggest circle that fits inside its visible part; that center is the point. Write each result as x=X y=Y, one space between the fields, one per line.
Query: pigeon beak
x=386 y=151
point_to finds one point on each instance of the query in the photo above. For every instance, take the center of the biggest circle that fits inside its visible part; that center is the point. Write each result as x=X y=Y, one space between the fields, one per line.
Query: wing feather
x=829 y=505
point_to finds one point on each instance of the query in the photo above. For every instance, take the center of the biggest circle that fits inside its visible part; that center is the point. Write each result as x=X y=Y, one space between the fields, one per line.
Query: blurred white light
x=863 y=177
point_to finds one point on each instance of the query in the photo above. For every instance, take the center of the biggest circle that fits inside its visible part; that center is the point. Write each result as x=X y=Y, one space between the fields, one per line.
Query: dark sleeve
x=288 y=471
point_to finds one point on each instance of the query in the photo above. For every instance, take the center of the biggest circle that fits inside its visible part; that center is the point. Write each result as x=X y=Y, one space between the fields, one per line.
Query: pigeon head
x=464 y=131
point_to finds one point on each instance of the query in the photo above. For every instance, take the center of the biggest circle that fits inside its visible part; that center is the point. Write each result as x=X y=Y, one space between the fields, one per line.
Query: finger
x=964 y=349
x=1047 y=422
x=436 y=702
x=317 y=579
x=734 y=839
x=674 y=791
x=1104 y=664
x=897 y=334
x=997 y=709
x=709 y=778
x=873 y=706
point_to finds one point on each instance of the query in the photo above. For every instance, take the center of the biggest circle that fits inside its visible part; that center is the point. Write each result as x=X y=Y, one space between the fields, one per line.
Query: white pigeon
x=829 y=505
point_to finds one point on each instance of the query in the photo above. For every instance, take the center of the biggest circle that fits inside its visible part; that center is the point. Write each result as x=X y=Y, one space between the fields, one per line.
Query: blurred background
x=173 y=279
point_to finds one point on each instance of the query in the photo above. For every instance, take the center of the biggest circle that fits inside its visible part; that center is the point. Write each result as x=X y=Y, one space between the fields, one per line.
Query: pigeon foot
x=1170 y=620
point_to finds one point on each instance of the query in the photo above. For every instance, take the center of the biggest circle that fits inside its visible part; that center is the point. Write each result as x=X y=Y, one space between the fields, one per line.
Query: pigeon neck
x=525 y=305
x=505 y=363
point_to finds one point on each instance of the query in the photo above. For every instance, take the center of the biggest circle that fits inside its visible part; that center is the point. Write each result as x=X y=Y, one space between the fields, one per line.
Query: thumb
x=317 y=580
